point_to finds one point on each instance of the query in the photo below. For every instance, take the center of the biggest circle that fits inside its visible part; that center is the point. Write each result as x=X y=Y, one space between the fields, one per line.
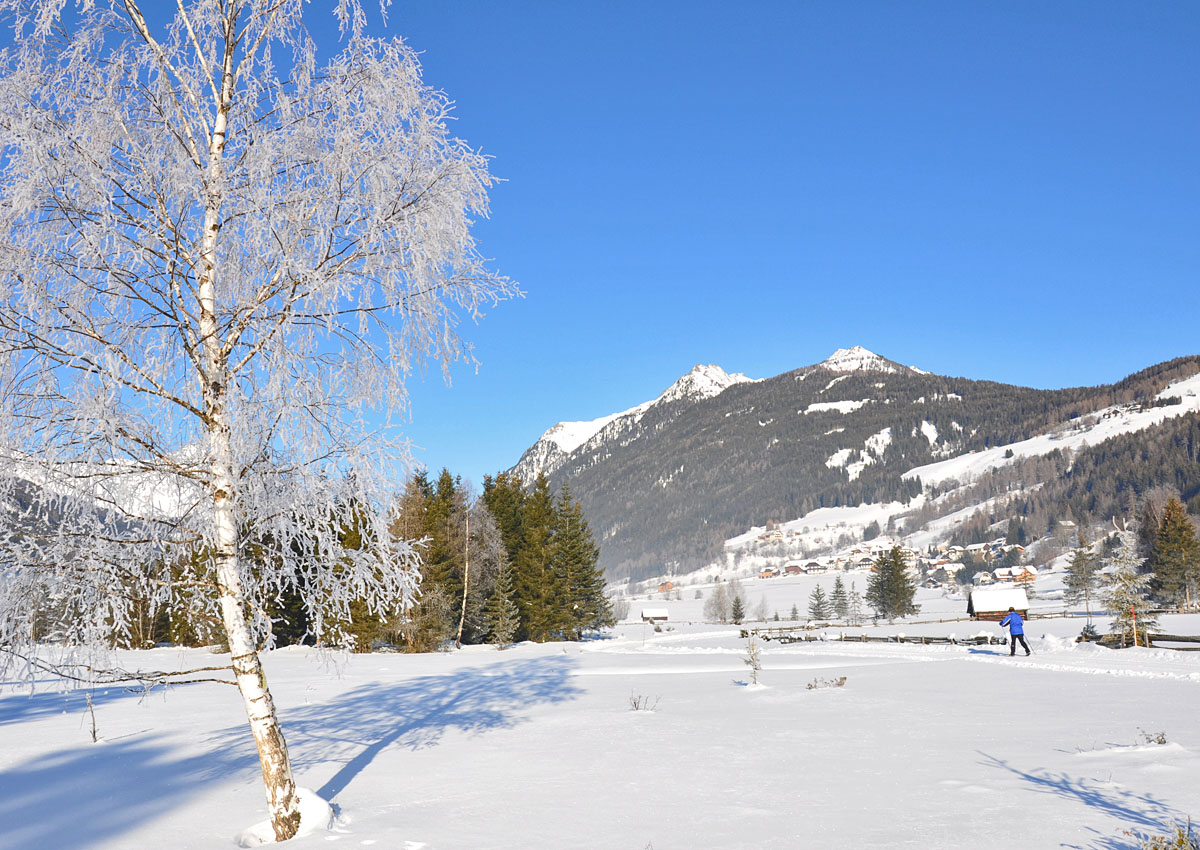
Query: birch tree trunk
x=462 y=614
x=273 y=758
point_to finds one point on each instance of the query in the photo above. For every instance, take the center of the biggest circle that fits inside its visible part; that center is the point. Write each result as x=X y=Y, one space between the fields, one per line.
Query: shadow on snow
x=84 y=796
x=1137 y=812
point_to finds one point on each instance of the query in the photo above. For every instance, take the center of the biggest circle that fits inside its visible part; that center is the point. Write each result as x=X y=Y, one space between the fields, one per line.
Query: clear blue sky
x=1008 y=191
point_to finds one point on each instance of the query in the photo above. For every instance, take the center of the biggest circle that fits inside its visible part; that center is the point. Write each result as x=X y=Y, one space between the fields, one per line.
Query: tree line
x=511 y=563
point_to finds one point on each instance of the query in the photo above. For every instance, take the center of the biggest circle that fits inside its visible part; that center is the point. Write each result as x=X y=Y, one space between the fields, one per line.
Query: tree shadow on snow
x=416 y=713
x=23 y=705
x=88 y=795
x=1140 y=812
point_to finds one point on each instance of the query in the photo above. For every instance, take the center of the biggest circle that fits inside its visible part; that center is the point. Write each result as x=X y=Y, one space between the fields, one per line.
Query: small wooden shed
x=654 y=615
x=992 y=603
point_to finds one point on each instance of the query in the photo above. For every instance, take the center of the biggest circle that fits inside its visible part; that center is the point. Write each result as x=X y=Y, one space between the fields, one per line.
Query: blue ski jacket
x=1016 y=626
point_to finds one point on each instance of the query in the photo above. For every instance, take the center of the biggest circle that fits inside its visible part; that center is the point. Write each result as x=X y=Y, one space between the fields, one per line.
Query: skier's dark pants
x=1012 y=645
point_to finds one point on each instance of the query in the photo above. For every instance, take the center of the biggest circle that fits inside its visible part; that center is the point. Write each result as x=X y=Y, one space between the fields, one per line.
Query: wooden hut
x=992 y=603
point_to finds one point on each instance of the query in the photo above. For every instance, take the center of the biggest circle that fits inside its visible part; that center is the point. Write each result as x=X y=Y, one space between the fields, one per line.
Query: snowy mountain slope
x=1089 y=429
x=665 y=485
x=559 y=441
x=859 y=359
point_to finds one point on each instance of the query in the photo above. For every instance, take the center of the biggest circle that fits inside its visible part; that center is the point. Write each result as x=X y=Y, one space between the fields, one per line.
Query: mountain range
x=666 y=483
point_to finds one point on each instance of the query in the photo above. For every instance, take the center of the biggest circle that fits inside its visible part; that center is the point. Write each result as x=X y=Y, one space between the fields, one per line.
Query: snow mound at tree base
x=315 y=813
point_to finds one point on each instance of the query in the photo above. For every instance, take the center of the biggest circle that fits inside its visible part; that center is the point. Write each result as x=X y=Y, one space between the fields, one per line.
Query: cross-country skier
x=1016 y=628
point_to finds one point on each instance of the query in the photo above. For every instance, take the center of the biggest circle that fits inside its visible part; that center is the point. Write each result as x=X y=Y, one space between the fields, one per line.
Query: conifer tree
x=505 y=498
x=1127 y=594
x=580 y=602
x=890 y=589
x=501 y=616
x=737 y=610
x=534 y=580
x=818 y=604
x=1175 y=556
x=1083 y=576
x=839 y=600
x=854 y=610
x=737 y=602
x=794 y=616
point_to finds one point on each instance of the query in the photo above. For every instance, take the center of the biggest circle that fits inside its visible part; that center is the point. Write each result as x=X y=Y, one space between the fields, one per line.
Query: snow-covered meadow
x=540 y=746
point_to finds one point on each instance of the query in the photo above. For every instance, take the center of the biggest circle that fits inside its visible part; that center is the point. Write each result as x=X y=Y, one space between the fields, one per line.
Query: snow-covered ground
x=538 y=746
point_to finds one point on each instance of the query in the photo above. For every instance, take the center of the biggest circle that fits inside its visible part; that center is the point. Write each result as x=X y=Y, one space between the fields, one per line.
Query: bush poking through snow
x=815 y=684
x=641 y=702
x=1181 y=839
x=1153 y=737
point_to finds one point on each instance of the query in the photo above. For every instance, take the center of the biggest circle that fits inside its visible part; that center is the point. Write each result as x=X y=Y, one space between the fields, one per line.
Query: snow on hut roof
x=999 y=599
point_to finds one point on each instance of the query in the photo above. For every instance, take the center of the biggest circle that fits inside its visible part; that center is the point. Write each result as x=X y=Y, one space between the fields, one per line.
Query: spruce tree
x=501 y=616
x=505 y=498
x=1175 y=556
x=890 y=589
x=818 y=604
x=1127 y=594
x=794 y=616
x=839 y=600
x=579 y=603
x=737 y=610
x=534 y=581
x=1083 y=576
x=854 y=607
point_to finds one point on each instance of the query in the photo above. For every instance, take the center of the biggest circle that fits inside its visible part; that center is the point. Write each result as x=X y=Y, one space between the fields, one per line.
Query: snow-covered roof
x=999 y=599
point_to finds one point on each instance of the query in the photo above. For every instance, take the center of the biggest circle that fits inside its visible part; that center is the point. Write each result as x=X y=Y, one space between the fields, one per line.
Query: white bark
x=216 y=257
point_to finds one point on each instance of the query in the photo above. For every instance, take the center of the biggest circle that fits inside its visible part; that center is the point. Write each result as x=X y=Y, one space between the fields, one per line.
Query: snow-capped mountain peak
x=552 y=449
x=704 y=381
x=857 y=359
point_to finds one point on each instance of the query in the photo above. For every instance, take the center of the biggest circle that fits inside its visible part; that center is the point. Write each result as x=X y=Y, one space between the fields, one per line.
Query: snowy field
x=538 y=746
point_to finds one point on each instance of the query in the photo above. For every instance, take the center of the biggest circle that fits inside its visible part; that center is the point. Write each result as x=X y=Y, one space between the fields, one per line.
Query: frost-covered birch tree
x=219 y=257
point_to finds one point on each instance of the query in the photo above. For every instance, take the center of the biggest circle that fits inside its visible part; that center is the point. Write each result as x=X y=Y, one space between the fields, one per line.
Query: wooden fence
x=1155 y=641
x=794 y=636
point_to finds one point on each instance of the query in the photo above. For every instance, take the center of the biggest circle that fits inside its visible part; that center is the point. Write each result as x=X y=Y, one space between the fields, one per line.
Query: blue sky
x=1004 y=191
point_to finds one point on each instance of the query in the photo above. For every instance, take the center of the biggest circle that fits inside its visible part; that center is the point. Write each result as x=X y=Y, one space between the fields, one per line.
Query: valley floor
x=538 y=746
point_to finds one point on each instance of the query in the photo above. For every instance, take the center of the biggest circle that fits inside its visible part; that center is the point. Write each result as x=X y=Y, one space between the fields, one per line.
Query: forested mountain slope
x=665 y=484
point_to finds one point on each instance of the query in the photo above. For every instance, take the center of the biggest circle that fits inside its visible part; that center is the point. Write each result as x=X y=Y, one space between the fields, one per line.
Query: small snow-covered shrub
x=1153 y=737
x=826 y=683
x=641 y=702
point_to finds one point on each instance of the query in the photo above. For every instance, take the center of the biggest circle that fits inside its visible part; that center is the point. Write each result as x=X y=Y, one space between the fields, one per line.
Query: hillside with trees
x=666 y=489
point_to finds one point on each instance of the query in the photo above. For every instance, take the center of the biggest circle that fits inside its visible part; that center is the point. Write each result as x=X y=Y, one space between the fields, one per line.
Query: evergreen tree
x=854 y=607
x=505 y=498
x=818 y=604
x=839 y=599
x=737 y=602
x=737 y=610
x=794 y=616
x=580 y=602
x=1175 y=556
x=501 y=616
x=1083 y=576
x=534 y=581
x=890 y=589
x=1127 y=594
